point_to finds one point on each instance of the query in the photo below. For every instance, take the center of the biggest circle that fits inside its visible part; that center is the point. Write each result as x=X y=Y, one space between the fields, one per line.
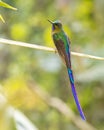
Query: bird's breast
x=56 y=35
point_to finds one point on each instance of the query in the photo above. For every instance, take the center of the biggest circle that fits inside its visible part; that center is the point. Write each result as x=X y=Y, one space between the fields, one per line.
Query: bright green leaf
x=3 y=4
x=1 y=18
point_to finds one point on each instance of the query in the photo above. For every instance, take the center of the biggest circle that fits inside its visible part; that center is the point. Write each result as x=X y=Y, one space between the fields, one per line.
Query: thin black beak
x=50 y=21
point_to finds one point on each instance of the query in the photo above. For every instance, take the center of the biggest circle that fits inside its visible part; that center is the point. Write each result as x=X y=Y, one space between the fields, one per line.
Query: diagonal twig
x=44 y=48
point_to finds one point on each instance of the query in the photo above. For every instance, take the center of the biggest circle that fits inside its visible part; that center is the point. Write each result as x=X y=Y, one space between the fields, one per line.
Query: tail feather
x=70 y=73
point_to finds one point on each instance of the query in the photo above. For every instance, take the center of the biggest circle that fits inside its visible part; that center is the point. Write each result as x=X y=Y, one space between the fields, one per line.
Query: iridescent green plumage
x=62 y=44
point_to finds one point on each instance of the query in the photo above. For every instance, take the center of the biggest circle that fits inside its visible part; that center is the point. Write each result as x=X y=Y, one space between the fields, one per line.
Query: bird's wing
x=62 y=52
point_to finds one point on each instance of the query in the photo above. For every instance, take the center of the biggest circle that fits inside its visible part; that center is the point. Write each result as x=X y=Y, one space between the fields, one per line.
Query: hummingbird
x=62 y=44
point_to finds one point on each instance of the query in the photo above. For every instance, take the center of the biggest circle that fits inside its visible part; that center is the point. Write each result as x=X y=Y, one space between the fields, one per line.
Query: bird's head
x=56 y=25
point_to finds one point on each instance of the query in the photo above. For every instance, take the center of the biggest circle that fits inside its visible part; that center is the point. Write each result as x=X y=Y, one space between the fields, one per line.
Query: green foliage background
x=83 y=21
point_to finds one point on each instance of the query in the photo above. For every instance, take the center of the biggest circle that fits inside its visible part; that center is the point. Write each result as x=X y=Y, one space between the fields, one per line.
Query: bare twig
x=28 y=45
x=38 y=47
x=87 y=56
x=60 y=106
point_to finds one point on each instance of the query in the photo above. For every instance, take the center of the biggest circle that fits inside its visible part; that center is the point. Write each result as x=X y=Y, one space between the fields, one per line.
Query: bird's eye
x=56 y=24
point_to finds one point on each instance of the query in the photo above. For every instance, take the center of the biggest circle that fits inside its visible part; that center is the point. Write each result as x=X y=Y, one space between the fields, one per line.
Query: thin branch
x=38 y=47
x=60 y=106
x=86 y=56
x=28 y=45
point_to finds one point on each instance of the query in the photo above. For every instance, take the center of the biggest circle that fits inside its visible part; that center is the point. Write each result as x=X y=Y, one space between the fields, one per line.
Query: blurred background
x=83 y=21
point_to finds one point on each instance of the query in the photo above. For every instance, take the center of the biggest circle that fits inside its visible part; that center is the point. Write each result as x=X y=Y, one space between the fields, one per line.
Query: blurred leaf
x=22 y=122
x=68 y=31
x=48 y=38
x=19 y=31
x=18 y=94
x=2 y=19
x=3 y=4
x=6 y=115
x=84 y=9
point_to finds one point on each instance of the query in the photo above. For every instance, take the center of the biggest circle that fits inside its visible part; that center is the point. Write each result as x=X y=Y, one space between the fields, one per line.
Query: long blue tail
x=70 y=73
